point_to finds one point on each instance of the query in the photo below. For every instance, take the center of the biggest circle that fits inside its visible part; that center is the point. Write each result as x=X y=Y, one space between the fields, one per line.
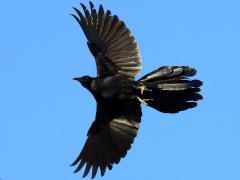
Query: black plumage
x=168 y=89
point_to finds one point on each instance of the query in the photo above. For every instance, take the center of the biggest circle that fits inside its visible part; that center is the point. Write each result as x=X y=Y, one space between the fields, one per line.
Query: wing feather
x=110 y=136
x=110 y=41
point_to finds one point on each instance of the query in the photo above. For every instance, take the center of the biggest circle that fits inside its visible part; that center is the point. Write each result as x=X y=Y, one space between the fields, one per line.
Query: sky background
x=45 y=115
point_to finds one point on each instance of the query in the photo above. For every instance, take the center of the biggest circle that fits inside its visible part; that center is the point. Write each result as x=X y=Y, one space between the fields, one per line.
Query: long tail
x=169 y=89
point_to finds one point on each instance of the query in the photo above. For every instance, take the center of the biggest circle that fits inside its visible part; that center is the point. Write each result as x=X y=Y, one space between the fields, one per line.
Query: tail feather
x=169 y=73
x=170 y=89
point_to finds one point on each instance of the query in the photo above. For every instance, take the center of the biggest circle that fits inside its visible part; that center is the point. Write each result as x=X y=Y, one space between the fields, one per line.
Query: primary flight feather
x=118 y=95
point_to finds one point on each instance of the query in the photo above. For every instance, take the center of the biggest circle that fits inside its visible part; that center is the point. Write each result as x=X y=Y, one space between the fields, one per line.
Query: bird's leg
x=144 y=101
x=142 y=88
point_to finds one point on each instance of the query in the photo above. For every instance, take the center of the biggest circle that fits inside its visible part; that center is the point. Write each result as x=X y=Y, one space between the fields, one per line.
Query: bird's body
x=168 y=89
x=112 y=87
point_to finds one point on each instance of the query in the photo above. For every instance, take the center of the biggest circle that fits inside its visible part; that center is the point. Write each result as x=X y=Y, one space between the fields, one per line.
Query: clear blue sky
x=44 y=114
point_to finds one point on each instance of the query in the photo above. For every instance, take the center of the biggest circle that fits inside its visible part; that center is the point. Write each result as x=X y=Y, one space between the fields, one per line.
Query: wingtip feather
x=83 y=6
x=91 y=4
x=88 y=167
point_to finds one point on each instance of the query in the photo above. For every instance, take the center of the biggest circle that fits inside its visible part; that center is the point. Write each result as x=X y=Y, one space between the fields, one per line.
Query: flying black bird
x=118 y=95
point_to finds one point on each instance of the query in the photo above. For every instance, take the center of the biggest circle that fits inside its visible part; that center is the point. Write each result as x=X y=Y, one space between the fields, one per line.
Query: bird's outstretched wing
x=110 y=136
x=110 y=41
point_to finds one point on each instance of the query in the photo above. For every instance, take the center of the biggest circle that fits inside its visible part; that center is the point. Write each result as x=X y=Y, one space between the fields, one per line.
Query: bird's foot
x=142 y=88
x=144 y=101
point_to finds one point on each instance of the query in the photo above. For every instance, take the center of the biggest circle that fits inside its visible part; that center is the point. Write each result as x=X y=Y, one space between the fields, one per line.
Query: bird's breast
x=114 y=87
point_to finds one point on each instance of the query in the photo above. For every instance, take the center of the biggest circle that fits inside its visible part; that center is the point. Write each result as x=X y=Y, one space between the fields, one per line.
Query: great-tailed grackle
x=118 y=95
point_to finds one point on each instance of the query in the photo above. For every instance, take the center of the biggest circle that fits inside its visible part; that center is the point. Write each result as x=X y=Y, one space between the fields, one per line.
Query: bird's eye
x=86 y=78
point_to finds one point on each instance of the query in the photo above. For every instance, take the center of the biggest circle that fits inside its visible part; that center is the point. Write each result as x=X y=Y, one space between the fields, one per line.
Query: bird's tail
x=169 y=89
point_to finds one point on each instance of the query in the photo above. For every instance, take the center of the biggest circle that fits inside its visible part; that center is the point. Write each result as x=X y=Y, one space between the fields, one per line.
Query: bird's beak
x=77 y=79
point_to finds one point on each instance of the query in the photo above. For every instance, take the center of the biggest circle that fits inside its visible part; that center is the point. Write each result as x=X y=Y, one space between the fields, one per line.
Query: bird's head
x=84 y=80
